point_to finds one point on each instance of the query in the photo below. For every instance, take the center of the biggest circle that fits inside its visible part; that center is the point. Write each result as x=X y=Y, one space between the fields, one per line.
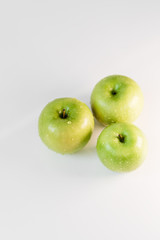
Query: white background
x=52 y=49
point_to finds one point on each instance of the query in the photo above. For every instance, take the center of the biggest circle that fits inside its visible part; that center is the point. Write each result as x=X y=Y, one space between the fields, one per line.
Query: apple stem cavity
x=113 y=92
x=121 y=138
x=63 y=114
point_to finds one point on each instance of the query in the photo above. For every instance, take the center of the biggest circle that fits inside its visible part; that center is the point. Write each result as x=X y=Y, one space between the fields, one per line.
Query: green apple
x=66 y=125
x=122 y=147
x=116 y=98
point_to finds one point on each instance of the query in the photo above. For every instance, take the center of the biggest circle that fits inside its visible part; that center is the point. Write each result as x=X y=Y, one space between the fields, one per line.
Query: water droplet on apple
x=69 y=122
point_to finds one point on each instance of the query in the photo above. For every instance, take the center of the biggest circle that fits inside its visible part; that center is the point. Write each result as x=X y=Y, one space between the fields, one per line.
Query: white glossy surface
x=52 y=49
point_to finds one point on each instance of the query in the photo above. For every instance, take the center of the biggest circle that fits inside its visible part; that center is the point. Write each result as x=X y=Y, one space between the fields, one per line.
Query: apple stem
x=121 y=138
x=64 y=113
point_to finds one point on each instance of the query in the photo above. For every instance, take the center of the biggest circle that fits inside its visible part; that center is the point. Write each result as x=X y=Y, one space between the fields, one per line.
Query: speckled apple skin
x=66 y=135
x=122 y=156
x=123 y=106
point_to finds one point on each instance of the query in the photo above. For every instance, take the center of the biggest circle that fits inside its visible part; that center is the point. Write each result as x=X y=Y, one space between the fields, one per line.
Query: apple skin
x=66 y=135
x=122 y=147
x=116 y=98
